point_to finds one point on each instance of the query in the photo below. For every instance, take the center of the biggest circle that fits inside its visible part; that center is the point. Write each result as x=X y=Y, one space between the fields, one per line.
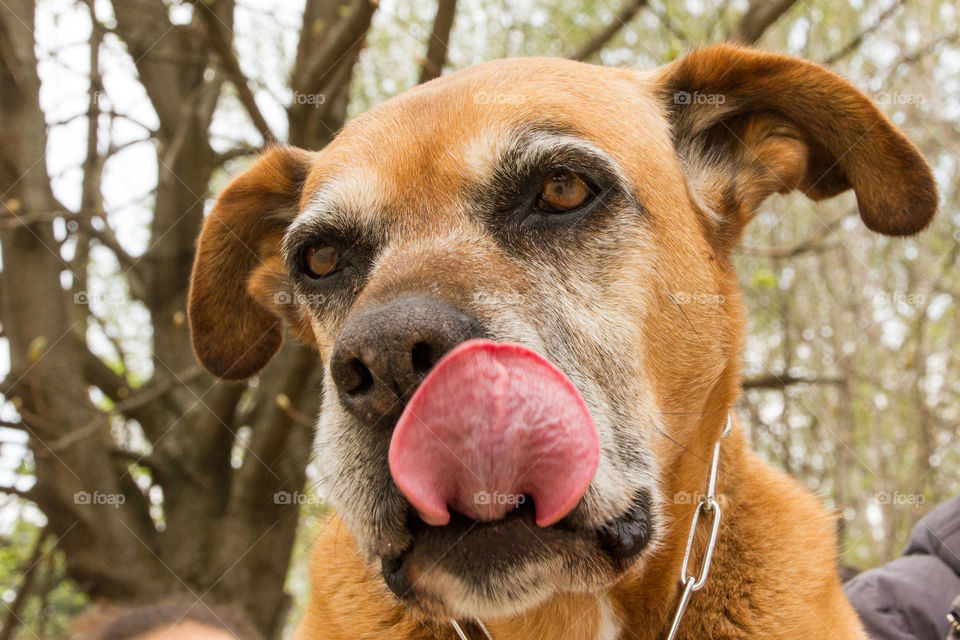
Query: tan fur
x=699 y=174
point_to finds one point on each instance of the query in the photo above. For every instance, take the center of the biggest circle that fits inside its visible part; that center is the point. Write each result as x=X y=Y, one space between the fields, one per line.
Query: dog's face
x=585 y=213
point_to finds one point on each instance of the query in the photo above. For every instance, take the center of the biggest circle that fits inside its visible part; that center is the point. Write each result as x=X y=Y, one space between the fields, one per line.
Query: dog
x=519 y=279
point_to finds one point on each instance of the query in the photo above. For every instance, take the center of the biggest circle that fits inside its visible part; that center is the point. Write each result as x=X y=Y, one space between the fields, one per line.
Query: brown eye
x=562 y=191
x=321 y=261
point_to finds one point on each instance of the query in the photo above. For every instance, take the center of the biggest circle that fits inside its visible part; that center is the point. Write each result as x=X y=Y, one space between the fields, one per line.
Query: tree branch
x=19 y=493
x=29 y=572
x=231 y=154
x=437 y=48
x=221 y=41
x=606 y=34
x=152 y=393
x=346 y=35
x=137 y=26
x=776 y=381
x=857 y=40
x=814 y=244
x=669 y=24
x=790 y=252
x=913 y=56
x=148 y=460
x=759 y=17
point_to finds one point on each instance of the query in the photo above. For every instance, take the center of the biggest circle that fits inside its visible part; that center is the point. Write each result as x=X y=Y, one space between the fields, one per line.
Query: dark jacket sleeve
x=908 y=599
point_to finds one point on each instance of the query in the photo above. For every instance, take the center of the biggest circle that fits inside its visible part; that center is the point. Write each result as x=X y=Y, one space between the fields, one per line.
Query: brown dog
x=584 y=216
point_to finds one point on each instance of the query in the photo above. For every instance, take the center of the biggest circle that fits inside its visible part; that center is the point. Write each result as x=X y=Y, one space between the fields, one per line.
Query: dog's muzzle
x=491 y=444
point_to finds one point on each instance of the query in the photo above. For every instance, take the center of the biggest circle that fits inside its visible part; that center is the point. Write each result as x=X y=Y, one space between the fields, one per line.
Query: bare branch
x=104 y=235
x=6 y=424
x=76 y=435
x=148 y=460
x=110 y=113
x=930 y=47
x=140 y=406
x=221 y=40
x=600 y=40
x=107 y=238
x=346 y=35
x=233 y=153
x=10 y=59
x=782 y=381
x=439 y=44
x=669 y=23
x=152 y=393
x=857 y=40
x=332 y=34
x=29 y=572
x=814 y=244
x=759 y=17
x=19 y=493
x=790 y=252
x=137 y=25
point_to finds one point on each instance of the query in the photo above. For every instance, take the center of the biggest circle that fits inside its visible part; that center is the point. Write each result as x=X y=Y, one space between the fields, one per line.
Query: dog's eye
x=320 y=261
x=562 y=191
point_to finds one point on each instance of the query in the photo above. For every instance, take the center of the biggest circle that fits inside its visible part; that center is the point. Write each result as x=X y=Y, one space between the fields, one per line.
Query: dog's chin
x=487 y=570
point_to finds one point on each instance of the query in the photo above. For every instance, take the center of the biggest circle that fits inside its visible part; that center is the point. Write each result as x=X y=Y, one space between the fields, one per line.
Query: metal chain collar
x=463 y=636
x=710 y=508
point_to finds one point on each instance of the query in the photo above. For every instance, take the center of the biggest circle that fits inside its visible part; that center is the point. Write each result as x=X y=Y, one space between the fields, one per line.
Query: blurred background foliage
x=852 y=380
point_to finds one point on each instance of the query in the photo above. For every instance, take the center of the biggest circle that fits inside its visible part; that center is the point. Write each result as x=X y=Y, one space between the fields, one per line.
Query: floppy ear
x=239 y=295
x=747 y=124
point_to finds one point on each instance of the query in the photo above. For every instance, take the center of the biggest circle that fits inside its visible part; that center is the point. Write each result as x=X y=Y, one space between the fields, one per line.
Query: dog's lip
x=394 y=567
x=629 y=534
x=621 y=540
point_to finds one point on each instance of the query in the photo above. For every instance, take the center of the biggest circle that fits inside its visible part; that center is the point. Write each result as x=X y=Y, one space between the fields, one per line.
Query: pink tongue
x=491 y=423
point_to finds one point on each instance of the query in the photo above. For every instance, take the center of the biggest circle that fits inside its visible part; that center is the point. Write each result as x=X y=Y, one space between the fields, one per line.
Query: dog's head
x=587 y=216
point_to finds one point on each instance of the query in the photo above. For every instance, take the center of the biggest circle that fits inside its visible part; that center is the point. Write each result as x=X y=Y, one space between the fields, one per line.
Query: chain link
x=709 y=508
x=461 y=634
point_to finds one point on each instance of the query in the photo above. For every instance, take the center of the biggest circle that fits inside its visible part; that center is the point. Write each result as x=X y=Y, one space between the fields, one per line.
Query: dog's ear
x=747 y=124
x=239 y=295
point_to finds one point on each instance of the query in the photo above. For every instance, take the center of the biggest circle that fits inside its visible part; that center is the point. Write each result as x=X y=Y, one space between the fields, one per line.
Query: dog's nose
x=384 y=352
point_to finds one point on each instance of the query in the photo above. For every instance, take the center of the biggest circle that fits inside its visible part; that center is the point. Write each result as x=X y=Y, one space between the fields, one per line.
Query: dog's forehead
x=421 y=147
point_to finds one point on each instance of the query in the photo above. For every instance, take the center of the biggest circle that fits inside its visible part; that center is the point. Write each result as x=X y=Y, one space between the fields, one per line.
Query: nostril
x=384 y=352
x=422 y=358
x=358 y=378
